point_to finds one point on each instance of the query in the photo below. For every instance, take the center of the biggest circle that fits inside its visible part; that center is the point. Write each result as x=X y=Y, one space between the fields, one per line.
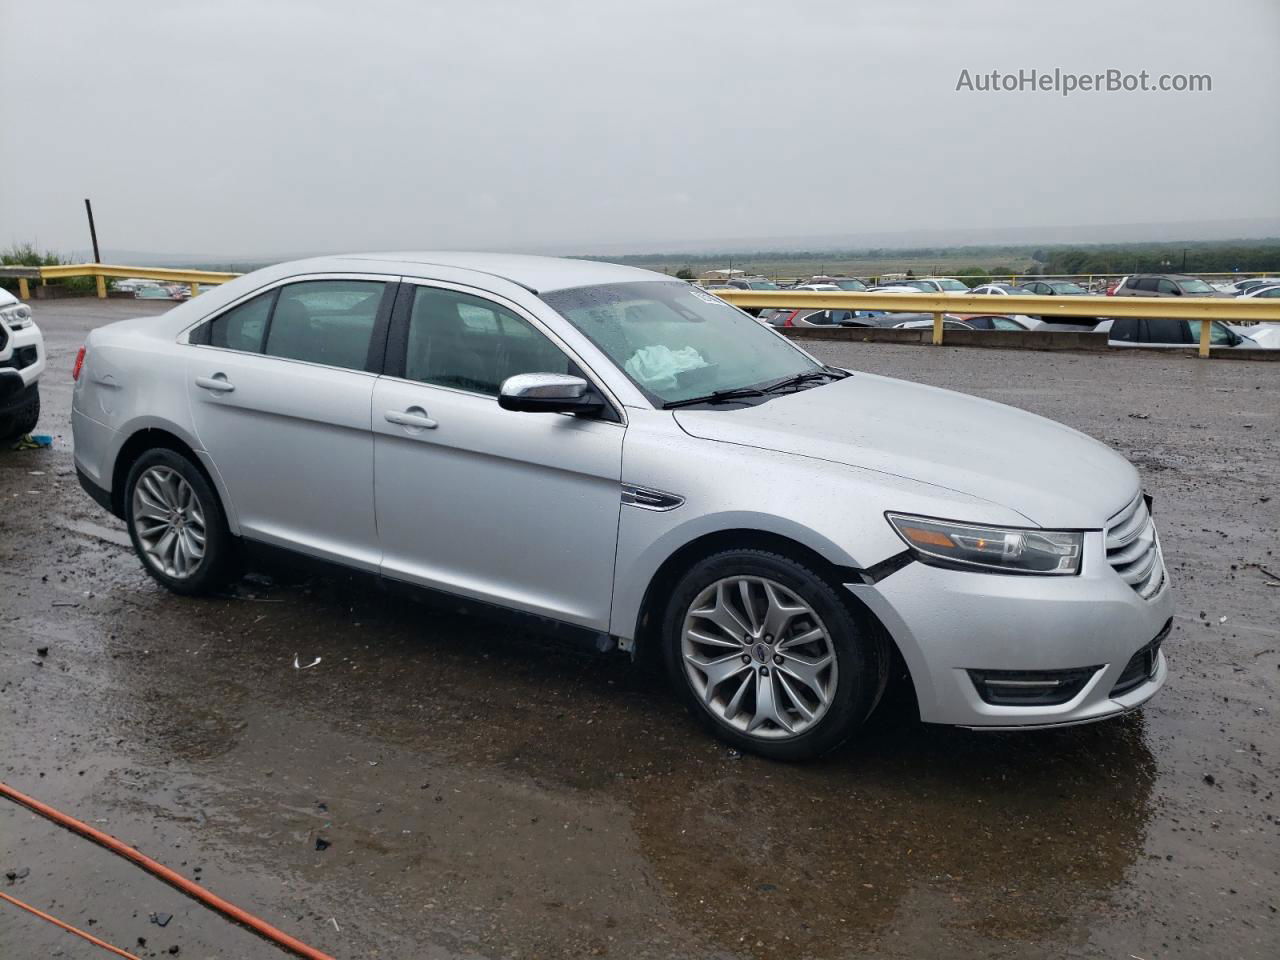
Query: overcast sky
x=259 y=127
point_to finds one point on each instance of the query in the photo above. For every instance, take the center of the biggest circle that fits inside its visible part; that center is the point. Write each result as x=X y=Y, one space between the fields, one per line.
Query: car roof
x=538 y=274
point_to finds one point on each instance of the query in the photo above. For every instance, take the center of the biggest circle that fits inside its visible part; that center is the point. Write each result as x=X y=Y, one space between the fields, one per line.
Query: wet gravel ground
x=484 y=796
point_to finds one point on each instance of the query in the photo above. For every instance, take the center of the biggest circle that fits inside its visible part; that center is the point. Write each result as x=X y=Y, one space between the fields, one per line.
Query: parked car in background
x=1267 y=292
x=752 y=283
x=852 y=284
x=1054 y=288
x=1002 y=290
x=949 y=285
x=1241 y=287
x=167 y=291
x=1164 y=285
x=970 y=321
x=1171 y=332
x=821 y=318
x=627 y=457
x=899 y=286
x=22 y=360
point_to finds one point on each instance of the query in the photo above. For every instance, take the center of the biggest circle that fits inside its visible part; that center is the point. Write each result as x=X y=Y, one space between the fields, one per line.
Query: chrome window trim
x=596 y=381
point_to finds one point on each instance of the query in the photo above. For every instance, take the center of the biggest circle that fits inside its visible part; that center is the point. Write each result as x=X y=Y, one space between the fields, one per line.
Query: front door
x=519 y=509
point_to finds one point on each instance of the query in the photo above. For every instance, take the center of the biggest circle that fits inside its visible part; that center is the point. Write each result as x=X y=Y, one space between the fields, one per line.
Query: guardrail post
x=102 y=285
x=24 y=291
x=937 y=329
x=195 y=289
x=1206 y=330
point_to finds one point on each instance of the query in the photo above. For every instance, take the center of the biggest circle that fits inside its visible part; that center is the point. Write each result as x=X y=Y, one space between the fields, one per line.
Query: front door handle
x=414 y=417
x=218 y=383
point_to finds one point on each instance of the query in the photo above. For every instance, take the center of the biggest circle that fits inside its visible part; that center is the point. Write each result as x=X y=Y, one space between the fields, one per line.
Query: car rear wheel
x=176 y=523
x=769 y=656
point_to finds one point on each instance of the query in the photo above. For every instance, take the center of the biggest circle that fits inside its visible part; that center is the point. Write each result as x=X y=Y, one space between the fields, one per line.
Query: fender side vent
x=649 y=499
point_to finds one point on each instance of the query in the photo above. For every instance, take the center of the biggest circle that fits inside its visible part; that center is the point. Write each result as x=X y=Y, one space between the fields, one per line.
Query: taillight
x=79 y=365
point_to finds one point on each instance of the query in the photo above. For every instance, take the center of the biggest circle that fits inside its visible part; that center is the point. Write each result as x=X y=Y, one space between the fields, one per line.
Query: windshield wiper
x=718 y=396
x=807 y=378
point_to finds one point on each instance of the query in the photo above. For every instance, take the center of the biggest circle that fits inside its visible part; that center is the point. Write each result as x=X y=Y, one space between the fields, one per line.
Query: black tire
x=218 y=563
x=861 y=651
x=21 y=421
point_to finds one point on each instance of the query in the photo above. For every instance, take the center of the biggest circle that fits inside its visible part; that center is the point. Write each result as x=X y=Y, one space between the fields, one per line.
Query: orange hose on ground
x=67 y=927
x=188 y=887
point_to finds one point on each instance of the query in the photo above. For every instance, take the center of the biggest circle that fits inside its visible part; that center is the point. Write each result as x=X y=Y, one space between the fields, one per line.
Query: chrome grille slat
x=1133 y=549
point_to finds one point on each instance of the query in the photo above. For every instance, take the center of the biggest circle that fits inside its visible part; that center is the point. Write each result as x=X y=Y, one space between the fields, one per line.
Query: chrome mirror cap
x=548 y=393
x=544 y=386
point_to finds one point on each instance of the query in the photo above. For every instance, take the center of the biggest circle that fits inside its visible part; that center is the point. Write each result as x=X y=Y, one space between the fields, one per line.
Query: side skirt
x=266 y=557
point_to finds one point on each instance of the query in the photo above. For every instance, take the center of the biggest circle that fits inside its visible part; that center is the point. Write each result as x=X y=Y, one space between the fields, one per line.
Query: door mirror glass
x=548 y=393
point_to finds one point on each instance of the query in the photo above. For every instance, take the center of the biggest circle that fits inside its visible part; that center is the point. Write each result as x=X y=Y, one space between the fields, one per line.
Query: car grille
x=1133 y=548
x=1142 y=665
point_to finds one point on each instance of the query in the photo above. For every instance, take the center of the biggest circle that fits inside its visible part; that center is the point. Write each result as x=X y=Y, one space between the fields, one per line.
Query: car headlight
x=16 y=316
x=1004 y=549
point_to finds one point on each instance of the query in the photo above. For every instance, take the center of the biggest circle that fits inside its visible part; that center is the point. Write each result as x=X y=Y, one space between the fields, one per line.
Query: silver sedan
x=631 y=459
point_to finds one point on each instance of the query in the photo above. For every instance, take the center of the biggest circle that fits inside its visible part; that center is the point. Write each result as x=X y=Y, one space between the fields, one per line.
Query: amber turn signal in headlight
x=1004 y=549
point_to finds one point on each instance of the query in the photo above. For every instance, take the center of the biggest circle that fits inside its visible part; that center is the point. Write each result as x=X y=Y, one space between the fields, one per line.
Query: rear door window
x=325 y=321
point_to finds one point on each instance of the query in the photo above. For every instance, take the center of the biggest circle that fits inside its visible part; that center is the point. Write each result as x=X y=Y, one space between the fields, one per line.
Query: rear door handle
x=218 y=383
x=414 y=418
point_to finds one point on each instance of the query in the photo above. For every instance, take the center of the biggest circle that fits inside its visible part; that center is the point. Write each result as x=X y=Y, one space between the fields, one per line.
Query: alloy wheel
x=169 y=522
x=759 y=657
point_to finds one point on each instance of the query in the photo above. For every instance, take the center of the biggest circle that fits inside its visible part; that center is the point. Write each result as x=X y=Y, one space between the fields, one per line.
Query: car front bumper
x=947 y=623
x=23 y=353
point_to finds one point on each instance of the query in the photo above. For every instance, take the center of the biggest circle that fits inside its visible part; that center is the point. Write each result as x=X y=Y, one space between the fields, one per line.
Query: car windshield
x=1067 y=289
x=1194 y=286
x=850 y=284
x=955 y=285
x=762 y=285
x=676 y=342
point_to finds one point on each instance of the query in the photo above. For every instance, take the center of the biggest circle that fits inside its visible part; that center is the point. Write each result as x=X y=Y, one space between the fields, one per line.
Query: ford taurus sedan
x=632 y=460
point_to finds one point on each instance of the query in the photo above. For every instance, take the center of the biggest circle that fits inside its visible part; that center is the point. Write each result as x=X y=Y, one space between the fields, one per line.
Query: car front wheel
x=770 y=656
x=176 y=523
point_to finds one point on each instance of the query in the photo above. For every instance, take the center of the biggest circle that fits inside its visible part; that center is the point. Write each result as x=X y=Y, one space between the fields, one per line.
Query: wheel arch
x=153 y=438
x=649 y=619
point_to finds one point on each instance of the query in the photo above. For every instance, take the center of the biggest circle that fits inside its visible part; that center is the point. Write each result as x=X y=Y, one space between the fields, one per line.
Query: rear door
x=517 y=509
x=280 y=387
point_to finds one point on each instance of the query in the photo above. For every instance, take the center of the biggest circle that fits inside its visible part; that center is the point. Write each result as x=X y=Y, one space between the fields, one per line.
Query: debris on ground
x=161 y=919
x=33 y=442
x=322 y=843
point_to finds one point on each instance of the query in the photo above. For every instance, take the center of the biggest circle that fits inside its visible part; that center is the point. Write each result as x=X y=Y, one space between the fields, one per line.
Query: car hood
x=1052 y=475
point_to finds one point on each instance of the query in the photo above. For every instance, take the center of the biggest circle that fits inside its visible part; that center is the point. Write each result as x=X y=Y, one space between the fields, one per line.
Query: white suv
x=632 y=459
x=21 y=363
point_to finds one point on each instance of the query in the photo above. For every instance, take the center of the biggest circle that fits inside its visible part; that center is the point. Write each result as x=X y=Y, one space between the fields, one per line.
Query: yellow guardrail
x=1186 y=308
x=101 y=271
x=1189 y=308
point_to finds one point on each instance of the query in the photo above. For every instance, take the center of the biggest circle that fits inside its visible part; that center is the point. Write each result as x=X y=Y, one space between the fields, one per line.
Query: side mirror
x=548 y=393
